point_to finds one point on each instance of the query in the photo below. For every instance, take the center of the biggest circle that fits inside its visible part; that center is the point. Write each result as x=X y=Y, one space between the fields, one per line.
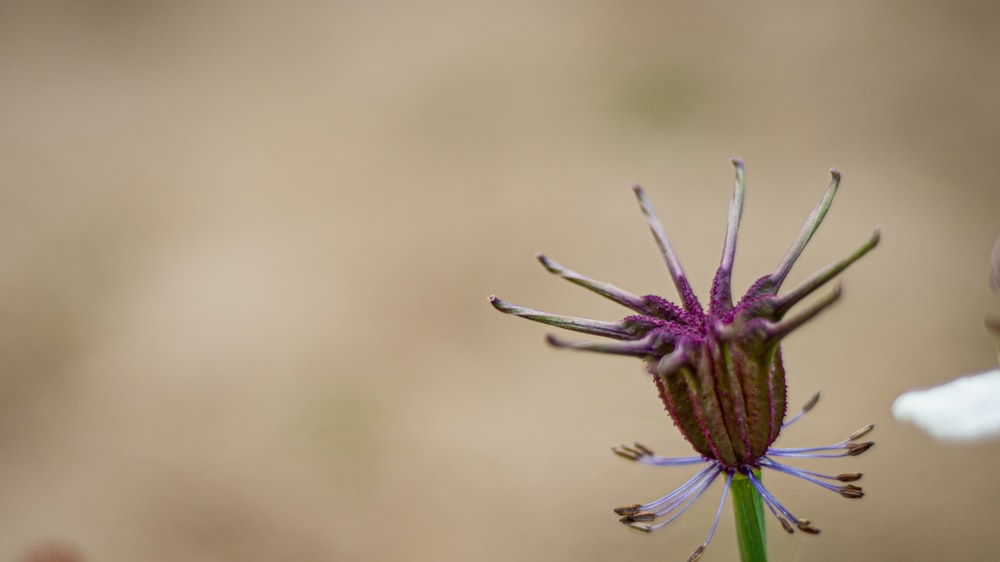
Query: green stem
x=749 y=509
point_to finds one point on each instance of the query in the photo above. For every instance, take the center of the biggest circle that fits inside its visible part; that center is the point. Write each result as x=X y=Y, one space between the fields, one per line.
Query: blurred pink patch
x=52 y=552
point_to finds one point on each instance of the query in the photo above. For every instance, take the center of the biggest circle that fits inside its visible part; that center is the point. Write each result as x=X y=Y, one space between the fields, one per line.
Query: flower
x=718 y=372
x=967 y=408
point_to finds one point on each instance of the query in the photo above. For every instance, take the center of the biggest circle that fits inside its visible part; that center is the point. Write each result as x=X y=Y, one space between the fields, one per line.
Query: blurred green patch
x=658 y=98
x=339 y=428
x=55 y=301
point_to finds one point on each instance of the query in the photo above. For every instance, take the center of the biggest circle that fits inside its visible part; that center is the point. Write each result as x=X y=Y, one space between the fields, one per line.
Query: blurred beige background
x=245 y=250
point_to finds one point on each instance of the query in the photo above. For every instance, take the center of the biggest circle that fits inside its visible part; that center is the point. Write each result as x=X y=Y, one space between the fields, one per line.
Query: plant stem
x=749 y=509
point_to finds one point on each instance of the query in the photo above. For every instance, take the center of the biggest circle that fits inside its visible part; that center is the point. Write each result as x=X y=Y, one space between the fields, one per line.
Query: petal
x=966 y=409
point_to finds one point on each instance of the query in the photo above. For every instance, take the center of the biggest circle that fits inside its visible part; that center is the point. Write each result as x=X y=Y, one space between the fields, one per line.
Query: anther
x=626 y=453
x=641 y=527
x=645 y=516
x=806 y=527
x=849 y=477
x=634 y=452
x=856 y=449
x=851 y=492
x=811 y=403
x=786 y=525
x=697 y=554
x=861 y=432
x=643 y=449
x=628 y=509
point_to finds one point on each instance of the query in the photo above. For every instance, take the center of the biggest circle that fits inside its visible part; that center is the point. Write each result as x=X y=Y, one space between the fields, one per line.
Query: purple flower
x=719 y=372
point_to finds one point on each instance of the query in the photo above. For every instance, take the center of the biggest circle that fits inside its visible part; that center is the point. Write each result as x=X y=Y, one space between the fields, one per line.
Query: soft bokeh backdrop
x=245 y=250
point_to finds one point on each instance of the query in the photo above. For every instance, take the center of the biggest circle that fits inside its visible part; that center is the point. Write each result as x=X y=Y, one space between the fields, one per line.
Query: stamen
x=722 y=295
x=847 y=453
x=715 y=524
x=806 y=527
x=781 y=518
x=689 y=502
x=695 y=481
x=780 y=451
x=822 y=276
x=632 y=515
x=690 y=301
x=645 y=450
x=627 y=509
x=803 y=524
x=846 y=477
x=851 y=448
x=858 y=448
x=657 y=460
x=812 y=223
x=606 y=290
x=626 y=452
x=861 y=432
x=689 y=496
x=851 y=491
x=771 y=503
x=640 y=453
x=784 y=522
x=848 y=491
x=809 y=405
x=593 y=327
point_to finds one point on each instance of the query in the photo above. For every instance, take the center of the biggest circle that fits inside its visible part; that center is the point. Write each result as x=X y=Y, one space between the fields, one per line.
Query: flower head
x=719 y=372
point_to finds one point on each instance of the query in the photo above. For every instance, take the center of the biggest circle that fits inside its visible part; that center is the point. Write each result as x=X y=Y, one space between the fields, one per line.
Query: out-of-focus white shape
x=966 y=409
